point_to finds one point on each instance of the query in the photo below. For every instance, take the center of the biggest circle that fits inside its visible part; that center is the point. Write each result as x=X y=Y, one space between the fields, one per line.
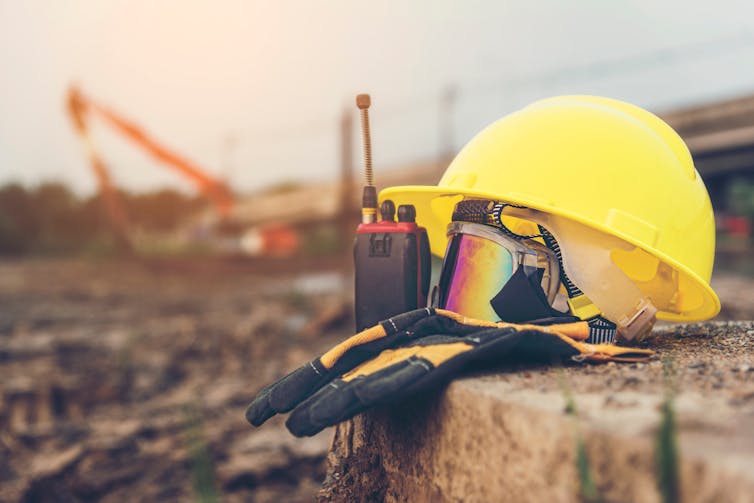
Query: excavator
x=275 y=240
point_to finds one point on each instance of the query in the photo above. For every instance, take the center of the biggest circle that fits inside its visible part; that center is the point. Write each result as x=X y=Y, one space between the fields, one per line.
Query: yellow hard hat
x=602 y=165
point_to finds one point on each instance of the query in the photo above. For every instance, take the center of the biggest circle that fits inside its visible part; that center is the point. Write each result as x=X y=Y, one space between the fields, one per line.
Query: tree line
x=51 y=219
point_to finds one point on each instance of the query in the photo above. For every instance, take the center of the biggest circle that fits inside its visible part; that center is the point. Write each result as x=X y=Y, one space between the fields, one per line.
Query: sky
x=252 y=91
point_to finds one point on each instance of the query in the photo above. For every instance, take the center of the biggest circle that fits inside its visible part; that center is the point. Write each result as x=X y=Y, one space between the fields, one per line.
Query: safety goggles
x=491 y=275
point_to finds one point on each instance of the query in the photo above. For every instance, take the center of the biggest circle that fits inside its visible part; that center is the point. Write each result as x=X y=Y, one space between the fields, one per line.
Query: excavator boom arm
x=79 y=107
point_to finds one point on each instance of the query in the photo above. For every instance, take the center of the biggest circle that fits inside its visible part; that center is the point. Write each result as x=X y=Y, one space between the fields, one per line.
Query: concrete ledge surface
x=507 y=436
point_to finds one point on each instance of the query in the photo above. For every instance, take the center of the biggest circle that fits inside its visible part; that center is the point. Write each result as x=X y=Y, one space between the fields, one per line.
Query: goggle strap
x=483 y=211
x=552 y=244
x=497 y=218
x=601 y=331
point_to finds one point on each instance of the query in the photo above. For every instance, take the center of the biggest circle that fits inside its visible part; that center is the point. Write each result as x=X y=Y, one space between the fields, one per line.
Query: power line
x=628 y=64
x=393 y=111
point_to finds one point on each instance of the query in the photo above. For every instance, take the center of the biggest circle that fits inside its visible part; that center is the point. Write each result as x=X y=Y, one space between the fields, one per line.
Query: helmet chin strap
x=632 y=312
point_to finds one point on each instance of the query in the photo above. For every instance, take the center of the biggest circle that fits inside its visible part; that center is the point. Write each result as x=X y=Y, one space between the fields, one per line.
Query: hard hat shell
x=600 y=162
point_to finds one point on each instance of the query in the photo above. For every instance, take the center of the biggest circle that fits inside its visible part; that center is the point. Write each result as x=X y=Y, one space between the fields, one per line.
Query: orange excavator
x=276 y=239
x=80 y=108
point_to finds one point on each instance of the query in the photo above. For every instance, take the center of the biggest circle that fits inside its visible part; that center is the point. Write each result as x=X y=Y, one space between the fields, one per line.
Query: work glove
x=412 y=352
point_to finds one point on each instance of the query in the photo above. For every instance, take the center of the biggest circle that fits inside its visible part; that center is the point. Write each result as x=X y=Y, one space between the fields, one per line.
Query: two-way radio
x=391 y=259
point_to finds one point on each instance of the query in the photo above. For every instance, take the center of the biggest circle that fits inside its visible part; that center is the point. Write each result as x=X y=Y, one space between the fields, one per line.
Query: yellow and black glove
x=409 y=353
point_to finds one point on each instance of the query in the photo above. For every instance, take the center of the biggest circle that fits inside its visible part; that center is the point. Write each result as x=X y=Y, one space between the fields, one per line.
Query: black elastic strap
x=519 y=300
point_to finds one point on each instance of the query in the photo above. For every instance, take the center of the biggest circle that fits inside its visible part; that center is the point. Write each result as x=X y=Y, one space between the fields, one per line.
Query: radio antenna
x=369 y=197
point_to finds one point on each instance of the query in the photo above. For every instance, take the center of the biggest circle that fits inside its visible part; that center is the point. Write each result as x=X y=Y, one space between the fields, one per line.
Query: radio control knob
x=406 y=213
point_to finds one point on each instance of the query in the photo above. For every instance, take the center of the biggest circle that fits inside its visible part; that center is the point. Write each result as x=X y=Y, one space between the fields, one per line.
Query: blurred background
x=179 y=185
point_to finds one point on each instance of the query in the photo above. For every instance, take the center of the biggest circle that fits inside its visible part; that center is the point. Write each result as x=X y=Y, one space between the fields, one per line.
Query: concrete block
x=506 y=435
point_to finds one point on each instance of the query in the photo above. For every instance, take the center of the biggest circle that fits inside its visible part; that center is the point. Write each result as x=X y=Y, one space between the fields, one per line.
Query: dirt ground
x=127 y=381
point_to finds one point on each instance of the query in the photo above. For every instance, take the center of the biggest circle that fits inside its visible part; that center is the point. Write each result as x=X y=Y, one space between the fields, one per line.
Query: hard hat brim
x=434 y=208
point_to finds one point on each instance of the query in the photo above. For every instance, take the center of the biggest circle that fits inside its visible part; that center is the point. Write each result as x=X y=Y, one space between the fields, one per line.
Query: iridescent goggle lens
x=480 y=260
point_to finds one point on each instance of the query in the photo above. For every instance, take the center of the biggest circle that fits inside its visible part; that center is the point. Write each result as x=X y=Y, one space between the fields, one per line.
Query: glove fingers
x=330 y=402
x=283 y=395
x=296 y=386
x=344 y=399
x=291 y=390
x=259 y=410
x=394 y=374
